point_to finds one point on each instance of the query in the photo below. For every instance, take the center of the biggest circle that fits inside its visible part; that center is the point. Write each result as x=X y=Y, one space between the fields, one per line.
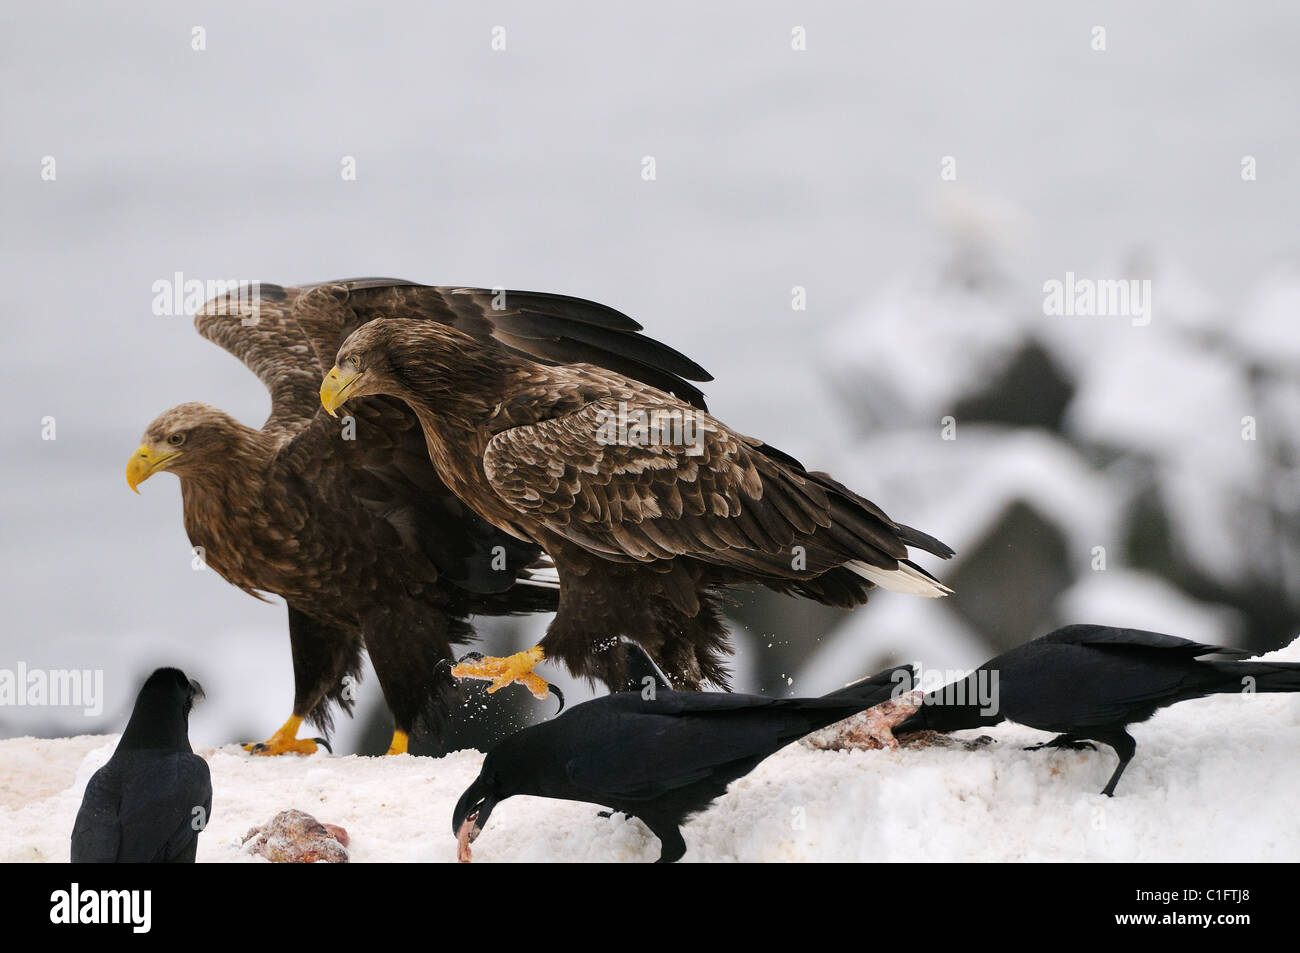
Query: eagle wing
x=648 y=480
x=385 y=469
x=547 y=328
x=289 y=337
x=255 y=325
x=682 y=484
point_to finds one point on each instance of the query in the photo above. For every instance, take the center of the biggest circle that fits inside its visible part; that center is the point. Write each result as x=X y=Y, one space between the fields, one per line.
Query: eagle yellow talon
x=284 y=741
x=511 y=669
x=399 y=744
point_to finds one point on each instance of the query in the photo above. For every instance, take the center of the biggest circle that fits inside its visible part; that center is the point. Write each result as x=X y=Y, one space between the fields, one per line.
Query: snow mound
x=1212 y=781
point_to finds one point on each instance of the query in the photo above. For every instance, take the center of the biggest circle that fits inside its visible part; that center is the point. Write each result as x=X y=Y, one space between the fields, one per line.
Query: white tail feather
x=905 y=578
x=539 y=583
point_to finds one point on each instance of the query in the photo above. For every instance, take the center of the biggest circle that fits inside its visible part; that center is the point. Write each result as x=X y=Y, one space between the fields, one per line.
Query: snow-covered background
x=775 y=168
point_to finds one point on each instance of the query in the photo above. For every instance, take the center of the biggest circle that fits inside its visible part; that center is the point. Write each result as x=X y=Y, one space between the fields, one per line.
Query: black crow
x=1090 y=682
x=658 y=755
x=149 y=803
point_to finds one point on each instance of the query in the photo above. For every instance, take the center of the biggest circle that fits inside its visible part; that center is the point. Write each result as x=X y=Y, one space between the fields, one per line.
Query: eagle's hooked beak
x=334 y=389
x=144 y=463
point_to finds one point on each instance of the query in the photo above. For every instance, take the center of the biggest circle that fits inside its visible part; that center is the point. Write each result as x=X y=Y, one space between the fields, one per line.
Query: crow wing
x=643 y=748
x=1105 y=636
x=663 y=745
x=1063 y=685
x=97 y=832
x=144 y=807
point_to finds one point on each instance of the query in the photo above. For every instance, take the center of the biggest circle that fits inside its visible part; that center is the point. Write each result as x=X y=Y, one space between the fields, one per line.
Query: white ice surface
x=1213 y=780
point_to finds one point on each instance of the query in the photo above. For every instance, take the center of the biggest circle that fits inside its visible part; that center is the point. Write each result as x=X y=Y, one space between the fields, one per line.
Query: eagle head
x=405 y=358
x=182 y=440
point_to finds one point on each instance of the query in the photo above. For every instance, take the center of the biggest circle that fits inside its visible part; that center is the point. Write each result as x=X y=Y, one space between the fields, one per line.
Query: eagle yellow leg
x=399 y=744
x=284 y=741
x=511 y=669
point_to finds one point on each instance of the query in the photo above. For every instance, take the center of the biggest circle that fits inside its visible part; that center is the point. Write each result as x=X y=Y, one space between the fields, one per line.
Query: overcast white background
x=522 y=168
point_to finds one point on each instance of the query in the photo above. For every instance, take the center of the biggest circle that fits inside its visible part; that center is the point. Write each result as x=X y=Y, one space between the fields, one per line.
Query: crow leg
x=671 y=843
x=1125 y=747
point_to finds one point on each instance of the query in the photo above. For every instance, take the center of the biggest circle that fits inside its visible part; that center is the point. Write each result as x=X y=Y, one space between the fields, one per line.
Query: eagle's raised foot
x=509 y=670
x=286 y=741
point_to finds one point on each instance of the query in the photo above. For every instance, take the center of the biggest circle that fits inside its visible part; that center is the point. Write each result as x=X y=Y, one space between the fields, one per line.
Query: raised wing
x=548 y=328
x=289 y=336
x=253 y=323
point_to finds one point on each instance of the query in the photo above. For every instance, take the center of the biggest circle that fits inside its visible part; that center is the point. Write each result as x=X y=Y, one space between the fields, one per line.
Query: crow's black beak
x=474 y=808
x=196 y=691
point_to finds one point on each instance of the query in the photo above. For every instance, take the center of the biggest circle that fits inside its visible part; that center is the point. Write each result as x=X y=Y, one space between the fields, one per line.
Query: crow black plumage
x=661 y=758
x=149 y=803
x=1090 y=682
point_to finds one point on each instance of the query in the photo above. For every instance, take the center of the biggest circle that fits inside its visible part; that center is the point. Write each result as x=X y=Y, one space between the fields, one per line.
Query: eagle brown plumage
x=644 y=532
x=360 y=536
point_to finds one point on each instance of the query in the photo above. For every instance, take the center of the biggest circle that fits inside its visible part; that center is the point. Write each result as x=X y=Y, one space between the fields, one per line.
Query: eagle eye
x=353 y=360
x=176 y=439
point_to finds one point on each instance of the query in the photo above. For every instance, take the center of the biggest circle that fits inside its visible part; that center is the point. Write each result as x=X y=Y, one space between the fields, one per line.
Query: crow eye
x=176 y=439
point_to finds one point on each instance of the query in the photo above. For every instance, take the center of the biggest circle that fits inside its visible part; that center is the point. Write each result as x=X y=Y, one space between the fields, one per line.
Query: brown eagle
x=351 y=525
x=647 y=504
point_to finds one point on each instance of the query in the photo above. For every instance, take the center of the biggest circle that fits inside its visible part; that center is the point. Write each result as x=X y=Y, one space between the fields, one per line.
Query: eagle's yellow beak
x=334 y=389
x=144 y=463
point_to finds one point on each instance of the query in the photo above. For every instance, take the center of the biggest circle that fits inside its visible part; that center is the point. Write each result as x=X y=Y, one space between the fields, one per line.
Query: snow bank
x=1213 y=780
